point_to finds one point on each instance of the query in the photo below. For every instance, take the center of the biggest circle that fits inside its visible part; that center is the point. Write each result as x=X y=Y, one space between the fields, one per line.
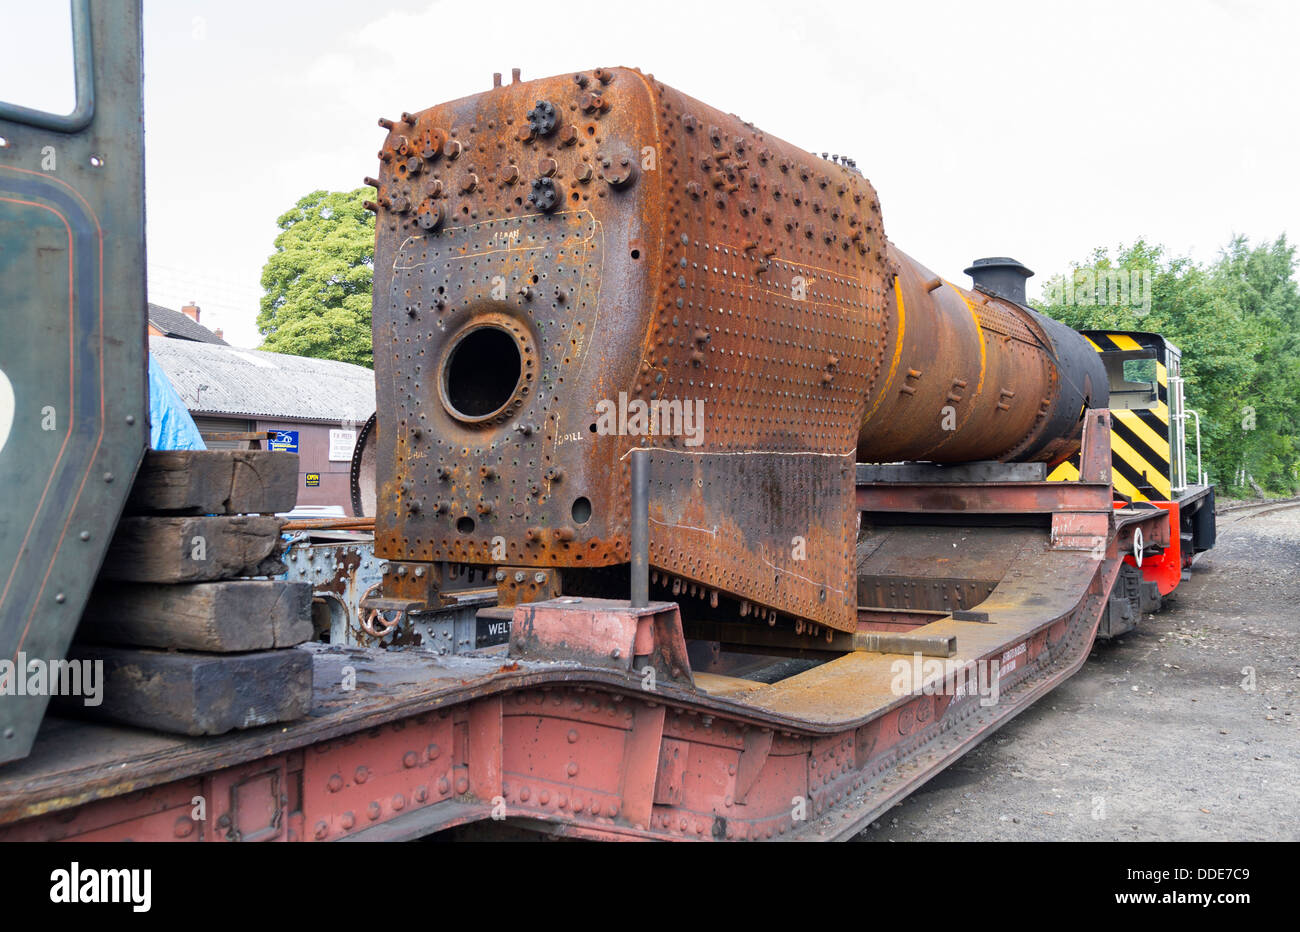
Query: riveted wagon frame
x=576 y=744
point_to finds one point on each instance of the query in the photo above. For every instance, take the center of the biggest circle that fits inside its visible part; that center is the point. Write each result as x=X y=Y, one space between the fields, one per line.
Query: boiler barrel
x=958 y=373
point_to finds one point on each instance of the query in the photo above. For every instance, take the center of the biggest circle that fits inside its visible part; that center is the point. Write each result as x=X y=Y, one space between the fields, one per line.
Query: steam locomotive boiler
x=571 y=268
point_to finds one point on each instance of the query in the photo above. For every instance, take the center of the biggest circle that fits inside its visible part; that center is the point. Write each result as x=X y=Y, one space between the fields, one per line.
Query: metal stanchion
x=640 y=528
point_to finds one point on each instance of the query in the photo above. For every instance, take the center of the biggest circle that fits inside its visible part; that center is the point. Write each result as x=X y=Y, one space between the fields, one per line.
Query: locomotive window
x=37 y=72
x=1140 y=370
x=1132 y=377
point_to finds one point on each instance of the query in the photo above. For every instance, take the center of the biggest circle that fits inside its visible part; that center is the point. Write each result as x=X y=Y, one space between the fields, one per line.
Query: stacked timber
x=190 y=642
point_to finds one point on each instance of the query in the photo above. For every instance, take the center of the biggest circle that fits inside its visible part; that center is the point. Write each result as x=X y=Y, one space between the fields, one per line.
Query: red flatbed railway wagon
x=844 y=574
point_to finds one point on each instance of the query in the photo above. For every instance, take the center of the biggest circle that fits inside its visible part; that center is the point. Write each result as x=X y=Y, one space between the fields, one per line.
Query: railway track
x=1239 y=511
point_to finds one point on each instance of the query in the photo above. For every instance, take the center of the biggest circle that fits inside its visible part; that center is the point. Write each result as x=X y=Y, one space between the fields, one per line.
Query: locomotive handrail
x=1179 y=415
x=1200 y=475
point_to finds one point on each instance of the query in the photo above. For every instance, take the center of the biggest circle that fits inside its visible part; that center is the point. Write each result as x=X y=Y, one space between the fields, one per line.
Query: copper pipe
x=330 y=524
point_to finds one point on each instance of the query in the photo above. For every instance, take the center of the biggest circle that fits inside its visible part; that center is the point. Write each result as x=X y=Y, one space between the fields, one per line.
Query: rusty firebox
x=572 y=267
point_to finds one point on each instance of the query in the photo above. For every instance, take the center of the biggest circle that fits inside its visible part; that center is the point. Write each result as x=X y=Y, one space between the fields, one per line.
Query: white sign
x=6 y=408
x=341 y=444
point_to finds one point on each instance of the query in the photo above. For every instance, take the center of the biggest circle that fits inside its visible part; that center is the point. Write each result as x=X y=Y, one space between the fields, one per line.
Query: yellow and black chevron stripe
x=1139 y=440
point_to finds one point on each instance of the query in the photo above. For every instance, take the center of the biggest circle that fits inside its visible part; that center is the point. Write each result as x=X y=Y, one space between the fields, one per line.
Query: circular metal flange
x=362 y=472
x=545 y=194
x=542 y=118
x=513 y=401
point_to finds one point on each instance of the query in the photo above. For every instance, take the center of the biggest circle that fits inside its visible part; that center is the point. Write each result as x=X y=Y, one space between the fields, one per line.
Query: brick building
x=182 y=325
x=318 y=405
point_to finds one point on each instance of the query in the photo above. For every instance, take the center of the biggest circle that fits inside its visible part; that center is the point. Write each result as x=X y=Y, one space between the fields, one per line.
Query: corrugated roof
x=215 y=379
x=178 y=324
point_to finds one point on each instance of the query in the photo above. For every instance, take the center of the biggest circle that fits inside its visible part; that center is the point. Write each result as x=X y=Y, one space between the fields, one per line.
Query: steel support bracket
x=517 y=584
x=604 y=633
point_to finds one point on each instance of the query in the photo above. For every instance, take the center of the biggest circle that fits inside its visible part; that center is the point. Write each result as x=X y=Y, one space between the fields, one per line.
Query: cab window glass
x=36 y=68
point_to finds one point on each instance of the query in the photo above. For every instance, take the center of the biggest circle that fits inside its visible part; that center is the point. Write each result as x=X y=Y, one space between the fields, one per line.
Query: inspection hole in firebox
x=581 y=510
x=482 y=372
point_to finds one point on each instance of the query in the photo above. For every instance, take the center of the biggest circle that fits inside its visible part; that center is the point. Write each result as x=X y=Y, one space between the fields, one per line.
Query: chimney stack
x=219 y=334
x=1001 y=277
x=191 y=311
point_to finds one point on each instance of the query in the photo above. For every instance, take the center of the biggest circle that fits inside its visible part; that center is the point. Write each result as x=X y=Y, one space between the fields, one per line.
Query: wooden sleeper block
x=190 y=549
x=193 y=693
x=222 y=617
x=220 y=482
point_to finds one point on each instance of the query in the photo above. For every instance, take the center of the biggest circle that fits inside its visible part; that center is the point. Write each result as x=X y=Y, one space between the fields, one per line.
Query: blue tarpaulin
x=170 y=424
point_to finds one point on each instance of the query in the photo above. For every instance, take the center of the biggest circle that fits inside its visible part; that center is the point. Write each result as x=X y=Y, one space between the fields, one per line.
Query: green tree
x=318 y=281
x=1259 y=283
x=1236 y=321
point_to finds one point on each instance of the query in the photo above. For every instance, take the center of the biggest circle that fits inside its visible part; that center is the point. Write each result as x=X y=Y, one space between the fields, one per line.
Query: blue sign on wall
x=284 y=441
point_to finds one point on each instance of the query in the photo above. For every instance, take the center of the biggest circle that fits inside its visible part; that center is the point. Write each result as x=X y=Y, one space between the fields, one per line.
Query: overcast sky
x=1033 y=130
